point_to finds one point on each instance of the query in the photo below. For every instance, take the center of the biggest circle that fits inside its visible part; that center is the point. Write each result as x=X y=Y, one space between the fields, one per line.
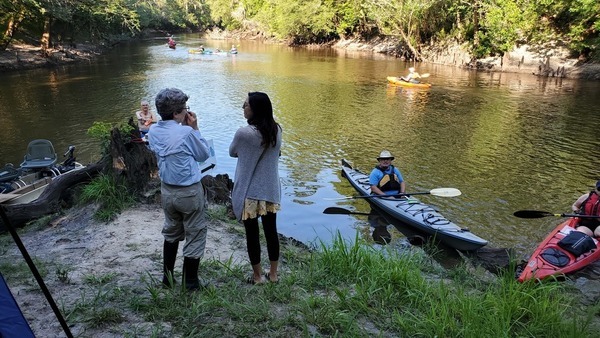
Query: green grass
x=357 y=291
x=219 y=212
x=340 y=290
x=20 y=271
x=110 y=193
x=99 y=279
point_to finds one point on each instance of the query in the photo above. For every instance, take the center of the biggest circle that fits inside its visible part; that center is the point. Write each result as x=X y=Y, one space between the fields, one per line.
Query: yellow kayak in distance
x=399 y=82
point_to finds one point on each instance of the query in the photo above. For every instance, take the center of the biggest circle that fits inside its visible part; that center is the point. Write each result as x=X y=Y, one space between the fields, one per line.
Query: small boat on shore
x=399 y=82
x=416 y=214
x=29 y=187
x=552 y=259
x=38 y=169
x=27 y=193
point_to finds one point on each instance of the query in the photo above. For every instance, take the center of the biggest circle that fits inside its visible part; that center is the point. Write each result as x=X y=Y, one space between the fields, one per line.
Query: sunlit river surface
x=507 y=141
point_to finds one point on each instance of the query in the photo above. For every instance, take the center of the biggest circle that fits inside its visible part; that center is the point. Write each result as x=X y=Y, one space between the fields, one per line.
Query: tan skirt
x=255 y=208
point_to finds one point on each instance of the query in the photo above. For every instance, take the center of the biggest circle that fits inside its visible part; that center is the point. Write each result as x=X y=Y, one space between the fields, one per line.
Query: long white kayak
x=414 y=213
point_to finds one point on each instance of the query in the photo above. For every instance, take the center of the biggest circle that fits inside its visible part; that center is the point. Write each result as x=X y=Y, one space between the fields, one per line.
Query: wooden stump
x=131 y=159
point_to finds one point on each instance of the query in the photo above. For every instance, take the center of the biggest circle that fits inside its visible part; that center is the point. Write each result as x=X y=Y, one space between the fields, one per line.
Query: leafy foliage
x=490 y=26
x=101 y=131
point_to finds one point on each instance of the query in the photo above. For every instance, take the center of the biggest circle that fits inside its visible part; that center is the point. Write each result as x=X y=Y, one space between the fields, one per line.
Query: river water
x=507 y=141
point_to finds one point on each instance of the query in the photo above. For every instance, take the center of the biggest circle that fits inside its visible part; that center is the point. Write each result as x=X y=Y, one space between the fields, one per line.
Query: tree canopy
x=489 y=27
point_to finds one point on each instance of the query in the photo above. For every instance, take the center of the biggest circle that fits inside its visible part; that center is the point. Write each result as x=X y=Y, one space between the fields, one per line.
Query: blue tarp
x=12 y=322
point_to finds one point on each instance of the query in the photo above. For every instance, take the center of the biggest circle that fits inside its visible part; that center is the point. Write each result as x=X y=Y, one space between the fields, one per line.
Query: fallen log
x=51 y=199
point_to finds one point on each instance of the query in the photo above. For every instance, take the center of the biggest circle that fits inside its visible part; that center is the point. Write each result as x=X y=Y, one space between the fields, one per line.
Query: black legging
x=269 y=222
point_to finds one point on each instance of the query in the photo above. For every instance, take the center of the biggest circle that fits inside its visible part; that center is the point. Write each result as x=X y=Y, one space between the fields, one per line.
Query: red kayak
x=552 y=259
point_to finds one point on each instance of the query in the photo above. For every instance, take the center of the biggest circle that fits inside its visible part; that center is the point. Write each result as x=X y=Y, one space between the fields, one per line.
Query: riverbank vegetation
x=354 y=290
x=487 y=27
x=342 y=289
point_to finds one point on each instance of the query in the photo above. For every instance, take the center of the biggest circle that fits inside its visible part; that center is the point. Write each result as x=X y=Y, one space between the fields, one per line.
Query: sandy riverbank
x=75 y=249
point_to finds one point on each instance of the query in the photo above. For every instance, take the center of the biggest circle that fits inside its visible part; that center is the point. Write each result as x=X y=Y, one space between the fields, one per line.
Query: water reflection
x=507 y=141
x=404 y=237
x=379 y=226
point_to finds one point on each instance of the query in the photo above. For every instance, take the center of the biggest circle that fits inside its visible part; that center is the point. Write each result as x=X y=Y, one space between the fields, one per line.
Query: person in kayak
x=171 y=43
x=412 y=76
x=589 y=204
x=385 y=179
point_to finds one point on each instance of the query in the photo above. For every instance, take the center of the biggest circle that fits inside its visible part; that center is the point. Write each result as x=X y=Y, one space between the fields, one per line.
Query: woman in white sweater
x=257 y=190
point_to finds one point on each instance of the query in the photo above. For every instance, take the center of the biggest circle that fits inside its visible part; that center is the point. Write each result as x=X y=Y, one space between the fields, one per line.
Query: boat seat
x=555 y=257
x=40 y=154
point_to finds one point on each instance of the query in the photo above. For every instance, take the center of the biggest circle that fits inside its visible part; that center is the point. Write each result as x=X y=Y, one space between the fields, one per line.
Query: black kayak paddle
x=342 y=211
x=540 y=214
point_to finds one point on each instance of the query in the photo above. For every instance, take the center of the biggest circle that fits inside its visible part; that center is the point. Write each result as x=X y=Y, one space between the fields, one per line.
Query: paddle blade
x=342 y=211
x=337 y=211
x=532 y=214
x=445 y=192
x=425 y=75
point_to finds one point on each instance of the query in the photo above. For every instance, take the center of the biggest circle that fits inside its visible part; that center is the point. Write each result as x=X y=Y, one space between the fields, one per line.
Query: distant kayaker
x=233 y=49
x=171 y=43
x=385 y=179
x=412 y=76
x=589 y=204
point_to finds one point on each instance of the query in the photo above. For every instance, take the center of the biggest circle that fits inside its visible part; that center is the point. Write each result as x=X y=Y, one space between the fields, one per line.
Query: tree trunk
x=45 y=43
x=11 y=29
x=414 y=51
x=131 y=158
x=476 y=23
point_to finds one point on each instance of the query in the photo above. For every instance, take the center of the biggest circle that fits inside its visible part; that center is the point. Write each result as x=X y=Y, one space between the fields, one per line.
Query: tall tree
x=403 y=18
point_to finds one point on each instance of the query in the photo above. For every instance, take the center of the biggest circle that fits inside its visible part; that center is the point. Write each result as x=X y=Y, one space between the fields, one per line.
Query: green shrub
x=110 y=193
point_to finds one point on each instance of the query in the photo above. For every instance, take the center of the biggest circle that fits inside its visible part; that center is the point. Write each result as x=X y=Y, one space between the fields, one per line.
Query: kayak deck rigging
x=411 y=211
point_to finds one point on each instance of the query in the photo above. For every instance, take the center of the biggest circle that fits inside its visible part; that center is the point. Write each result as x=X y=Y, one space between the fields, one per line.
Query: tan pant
x=185 y=218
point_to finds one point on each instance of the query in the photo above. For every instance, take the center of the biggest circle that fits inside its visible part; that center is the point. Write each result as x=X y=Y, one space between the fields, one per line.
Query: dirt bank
x=23 y=56
x=74 y=252
x=545 y=61
x=541 y=61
